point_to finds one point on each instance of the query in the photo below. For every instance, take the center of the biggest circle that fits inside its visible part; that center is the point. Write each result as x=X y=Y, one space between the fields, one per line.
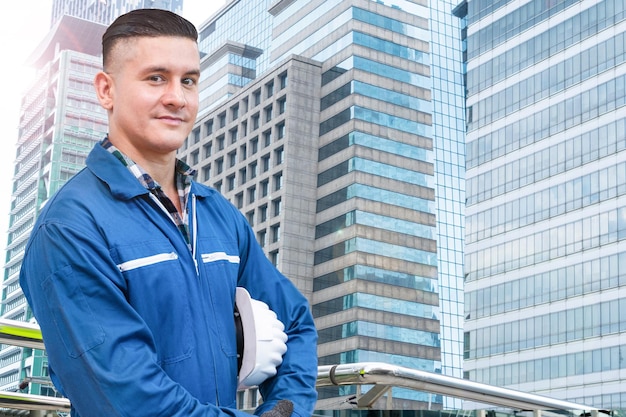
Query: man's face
x=152 y=94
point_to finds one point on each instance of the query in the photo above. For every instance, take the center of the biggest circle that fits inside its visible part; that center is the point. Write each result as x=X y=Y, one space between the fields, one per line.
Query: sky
x=23 y=24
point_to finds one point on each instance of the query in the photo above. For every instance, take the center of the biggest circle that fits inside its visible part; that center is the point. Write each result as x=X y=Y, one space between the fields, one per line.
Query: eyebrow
x=195 y=72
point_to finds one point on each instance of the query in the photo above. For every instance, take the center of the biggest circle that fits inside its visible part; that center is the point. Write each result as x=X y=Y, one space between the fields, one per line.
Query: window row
x=262 y=189
x=374 y=247
x=251 y=147
x=244 y=126
x=512 y=24
x=561 y=116
x=516 y=135
x=375 y=92
x=558 y=284
x=571 y=31
x=574 y=194
x=378 y=68
x=378 y=331
x=264 y=238
x=375 y=168
x=574 y=70
x=408 y=361
x=375 y=194
x=413 y=127
x=369 y=273
x=376 y=302
x=246 y=173
x=375 y=142
x=373 y=220
x=560 y=366
x=572 y=324
x=567 y=239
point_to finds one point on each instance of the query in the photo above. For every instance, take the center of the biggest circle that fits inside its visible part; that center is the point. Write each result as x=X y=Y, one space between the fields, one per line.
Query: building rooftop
x=69 y=33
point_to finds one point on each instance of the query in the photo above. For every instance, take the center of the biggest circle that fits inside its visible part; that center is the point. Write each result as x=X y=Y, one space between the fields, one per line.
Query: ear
x=104 y=89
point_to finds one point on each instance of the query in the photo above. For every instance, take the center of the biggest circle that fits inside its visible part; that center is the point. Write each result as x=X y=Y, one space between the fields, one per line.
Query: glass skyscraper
x=319 y=123
x=546 y=184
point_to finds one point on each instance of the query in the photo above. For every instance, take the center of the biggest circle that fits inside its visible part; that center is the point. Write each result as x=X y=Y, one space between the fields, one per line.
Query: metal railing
x=379 y=377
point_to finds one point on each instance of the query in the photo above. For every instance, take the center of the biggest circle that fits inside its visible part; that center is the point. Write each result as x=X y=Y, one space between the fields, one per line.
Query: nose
x=175 y=96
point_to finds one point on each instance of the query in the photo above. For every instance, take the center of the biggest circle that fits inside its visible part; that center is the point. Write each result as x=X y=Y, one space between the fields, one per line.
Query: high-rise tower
x=317 y=121
x=546 y=184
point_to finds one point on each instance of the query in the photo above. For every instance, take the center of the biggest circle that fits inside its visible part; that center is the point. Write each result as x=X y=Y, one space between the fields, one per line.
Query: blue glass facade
x=448 y=97
x=545 y=194
x=386 y=198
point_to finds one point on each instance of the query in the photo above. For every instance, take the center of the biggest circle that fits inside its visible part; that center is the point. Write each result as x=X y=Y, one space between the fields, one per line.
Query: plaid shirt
x=184 y=174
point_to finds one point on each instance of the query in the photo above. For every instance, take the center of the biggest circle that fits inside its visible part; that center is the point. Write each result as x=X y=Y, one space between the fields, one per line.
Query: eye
x=190 y=82
x=156 y=78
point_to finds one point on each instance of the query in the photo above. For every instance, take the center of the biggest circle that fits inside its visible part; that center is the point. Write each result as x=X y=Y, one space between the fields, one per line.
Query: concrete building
x=317 y=121
x=546 y=183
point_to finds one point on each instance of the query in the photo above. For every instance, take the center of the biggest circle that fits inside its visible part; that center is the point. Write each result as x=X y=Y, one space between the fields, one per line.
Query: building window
x=267 y=138
x=218 y=186
x=234 y=112
x=230 y=181
x=276 y=207
x=282 y=78
x=252 y=168
x=280 y=130
x=220 y=142
x=265 y=188
x=274 y=258
x=195 y=157
x=208 y=149
x=262 y=237
x=220 y=165
x=242 y=176
x=282 y=104
x=278 y=181
x=265 y=160
x=269 y=89
x=233 y=135
x=251 y=195
x=263 y=213
x=206 y=172
x=222 y=119
x=196 y=135
x=268 y=113
x=208 y=127
x=244 y=128
x=279 y=154
x=239 y=200
x=232 y=159
x=250 y=217
x=275 y=233
x=254 y=145
x=243 y=152
x=256 y=96
x=255 y=121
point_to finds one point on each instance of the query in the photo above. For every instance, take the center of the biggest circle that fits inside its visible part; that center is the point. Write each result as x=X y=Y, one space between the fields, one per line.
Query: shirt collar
x=184 y=173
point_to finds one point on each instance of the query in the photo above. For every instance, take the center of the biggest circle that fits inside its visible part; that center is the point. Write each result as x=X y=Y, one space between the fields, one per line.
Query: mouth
x=172 y=120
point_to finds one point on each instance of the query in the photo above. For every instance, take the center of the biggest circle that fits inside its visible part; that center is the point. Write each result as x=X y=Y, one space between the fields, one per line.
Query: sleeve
x=296 y=376
x=99 y=348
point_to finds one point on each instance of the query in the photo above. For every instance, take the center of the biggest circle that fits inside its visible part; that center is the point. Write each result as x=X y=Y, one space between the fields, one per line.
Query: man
x=131 y=268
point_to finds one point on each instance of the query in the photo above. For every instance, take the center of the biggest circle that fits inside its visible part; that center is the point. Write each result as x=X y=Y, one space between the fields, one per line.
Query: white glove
x=263 y=340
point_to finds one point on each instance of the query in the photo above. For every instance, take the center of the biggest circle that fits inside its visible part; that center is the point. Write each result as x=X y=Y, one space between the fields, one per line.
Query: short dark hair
x=146 y=23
